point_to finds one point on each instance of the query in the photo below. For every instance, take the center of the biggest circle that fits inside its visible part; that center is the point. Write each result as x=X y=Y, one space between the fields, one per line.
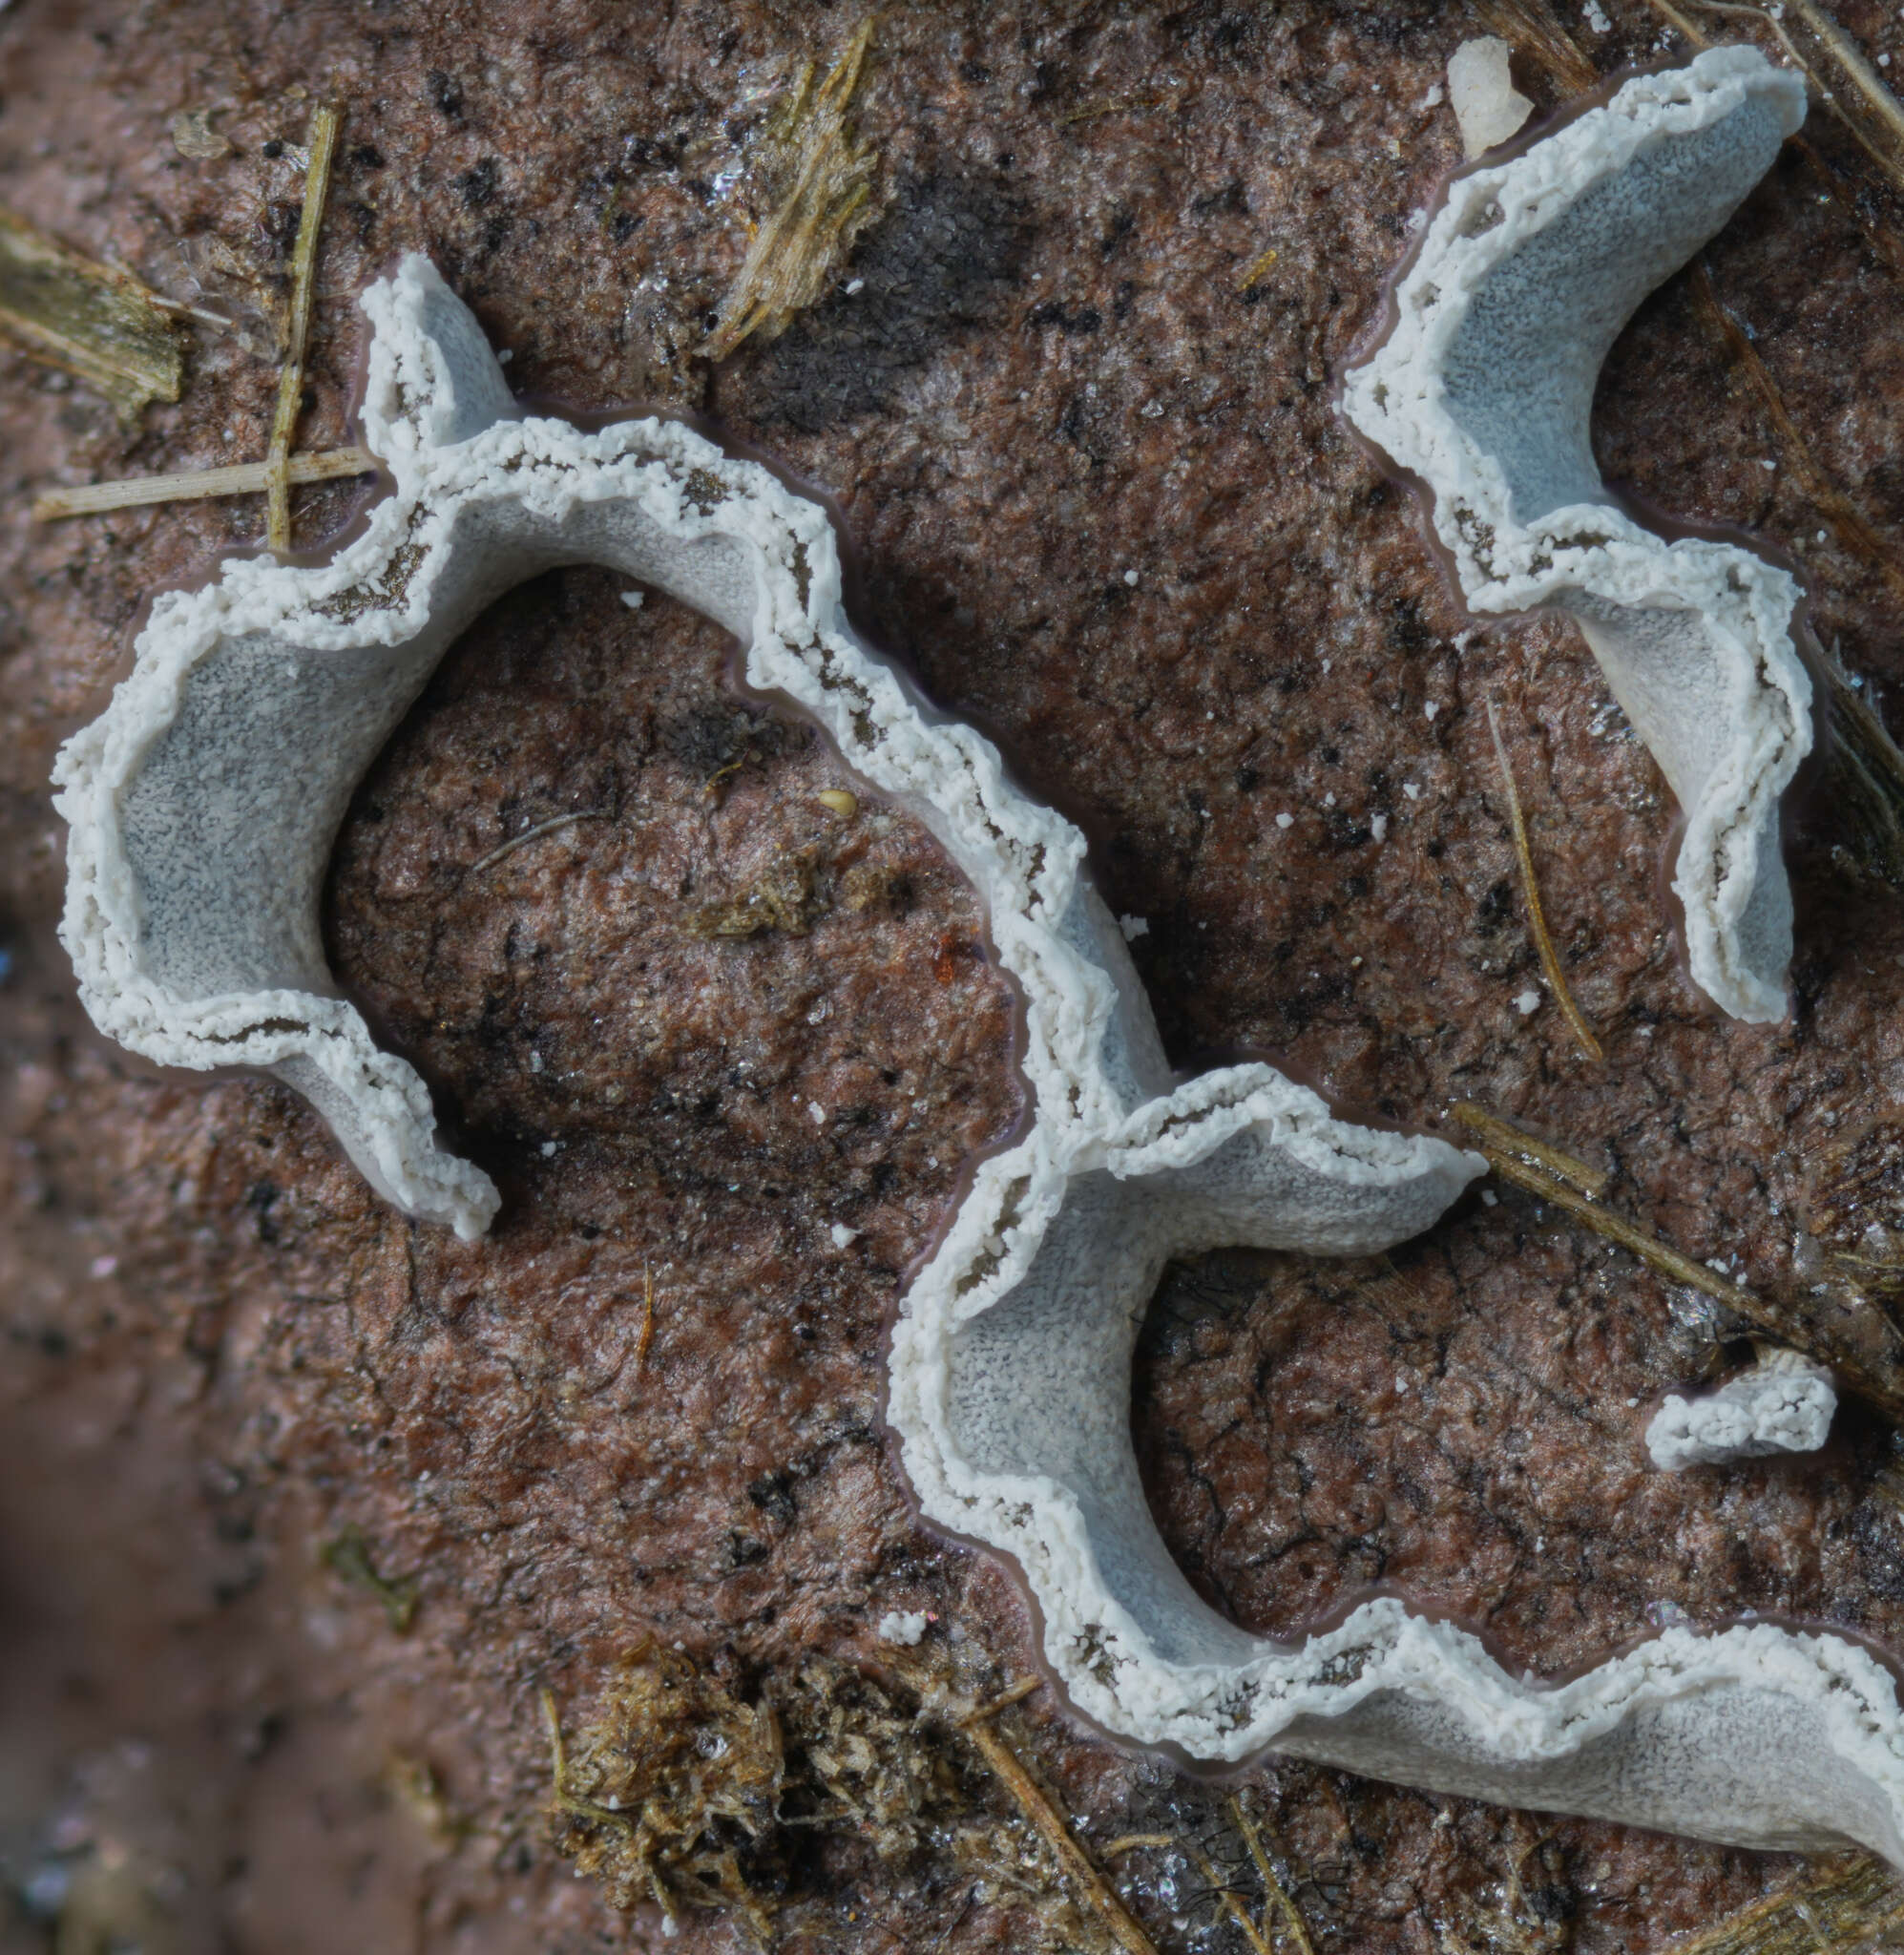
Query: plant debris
x=348 y=1557
x=1537 y=918
x=1848 y=1904
x=786 y=898
x=824 y=179
x=686 y=1797
x=1496 y=1133
x=195 y=139
x=321 y=143
x=531 y=835
x=91 y=320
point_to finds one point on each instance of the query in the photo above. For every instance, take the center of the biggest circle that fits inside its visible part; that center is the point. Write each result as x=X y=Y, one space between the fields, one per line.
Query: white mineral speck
x=1596 y=17
x=1378 y=827
x=1412 y=792
x=843 y=1236
x=902 y=1626
x=854 y=286
x=1285 y=821
x=633 y=599
x=1528 y=1002
x=1429 y=709
x=818 y=1113
x=1130 y=576
x=1133 y=927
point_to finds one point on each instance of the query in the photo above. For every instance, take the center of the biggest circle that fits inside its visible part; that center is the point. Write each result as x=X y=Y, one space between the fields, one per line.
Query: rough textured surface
x=1078 y=198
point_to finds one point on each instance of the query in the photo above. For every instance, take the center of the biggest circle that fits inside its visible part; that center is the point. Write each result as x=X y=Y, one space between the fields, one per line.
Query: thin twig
x=1126 y=1930
x=1543 y=942
x=1509 y=1139
x=291 y=380
x=1259 y=268
x=197 y=485
x=541 y=827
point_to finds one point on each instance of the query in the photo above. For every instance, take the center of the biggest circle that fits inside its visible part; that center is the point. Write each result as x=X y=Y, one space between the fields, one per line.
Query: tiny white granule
x=843 y=1236
x=1328 y=800
x=1133 y=927
x=535 y=1061
x=1285 y=821
x=1151 y=410
x=855 y=286
x=1528 y=1002
x=1823 y=537
x=1401 y=1388
x=1437 y=94
x=548 y=1149
x=818 y=1113
x=1489 y=1199
x=1768 y=464
x=1130 y=576
x=1884 y=60
x=1327 y=663
x=1410 y=789
x=633 y=599
x=1429 y=709
x=102 y=1266
x=1378 y=827
x=504 y=357
x=1596 y=17
x=902 y=1626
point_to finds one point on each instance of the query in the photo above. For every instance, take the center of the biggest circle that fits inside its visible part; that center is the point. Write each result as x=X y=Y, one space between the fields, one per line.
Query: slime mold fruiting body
x=203 y=803
x=1482 y=390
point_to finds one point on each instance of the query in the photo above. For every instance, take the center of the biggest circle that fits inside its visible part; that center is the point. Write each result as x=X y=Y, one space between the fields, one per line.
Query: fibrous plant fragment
x=823 y=178
x=202 y=806
x=91 y=320
x=1481 y=389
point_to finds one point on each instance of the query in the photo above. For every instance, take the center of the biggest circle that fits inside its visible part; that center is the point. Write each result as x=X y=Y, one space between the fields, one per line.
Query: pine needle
x=91 y=320
x=830 y=177
x=1543 y=942
x=1509 y=1139
x=1075 y=1864
x=321 y=143
x=243 y=478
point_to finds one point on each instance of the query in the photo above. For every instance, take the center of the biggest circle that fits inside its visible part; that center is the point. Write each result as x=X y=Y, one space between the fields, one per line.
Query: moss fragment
x=348 y=1557
x=91 y=320
x=786 y=898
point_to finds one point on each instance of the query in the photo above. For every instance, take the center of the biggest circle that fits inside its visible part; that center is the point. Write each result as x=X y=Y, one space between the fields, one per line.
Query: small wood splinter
x=1537 y=918
x=200 y=485
x=323 y=143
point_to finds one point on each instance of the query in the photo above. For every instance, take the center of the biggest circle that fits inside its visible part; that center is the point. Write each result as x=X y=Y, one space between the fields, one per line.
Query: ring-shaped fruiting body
x=204 y=802
x=1482 y=390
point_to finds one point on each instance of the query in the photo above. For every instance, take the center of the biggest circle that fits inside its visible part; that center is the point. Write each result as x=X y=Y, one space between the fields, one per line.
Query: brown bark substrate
x=224 y=1358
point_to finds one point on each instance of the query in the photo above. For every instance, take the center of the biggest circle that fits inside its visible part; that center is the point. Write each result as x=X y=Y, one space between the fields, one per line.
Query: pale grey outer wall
x=203 y=804
x=1483 y=389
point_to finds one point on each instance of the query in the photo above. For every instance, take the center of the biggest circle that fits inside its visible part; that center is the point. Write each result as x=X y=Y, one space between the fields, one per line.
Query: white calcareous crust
x=1784 y=1403
x=203 y=804
x=1482 y=390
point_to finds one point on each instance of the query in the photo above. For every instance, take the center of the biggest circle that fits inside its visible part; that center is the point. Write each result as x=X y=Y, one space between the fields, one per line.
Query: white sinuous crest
x=1483 y=389
x=204 y=802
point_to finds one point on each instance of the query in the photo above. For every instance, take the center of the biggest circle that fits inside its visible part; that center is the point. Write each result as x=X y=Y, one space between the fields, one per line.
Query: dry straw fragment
x=830 y=177
x=199 y=485
x=91 y=320
x=291 y=380
x=1537 y=916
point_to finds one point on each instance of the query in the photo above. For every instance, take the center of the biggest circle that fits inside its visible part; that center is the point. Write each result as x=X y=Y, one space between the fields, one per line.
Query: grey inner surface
x=1761 y=1764
x=1581 y=277
x=231 y=799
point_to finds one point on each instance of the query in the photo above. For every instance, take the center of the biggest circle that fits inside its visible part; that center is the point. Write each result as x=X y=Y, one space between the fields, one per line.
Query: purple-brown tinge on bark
x=722 y=1036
